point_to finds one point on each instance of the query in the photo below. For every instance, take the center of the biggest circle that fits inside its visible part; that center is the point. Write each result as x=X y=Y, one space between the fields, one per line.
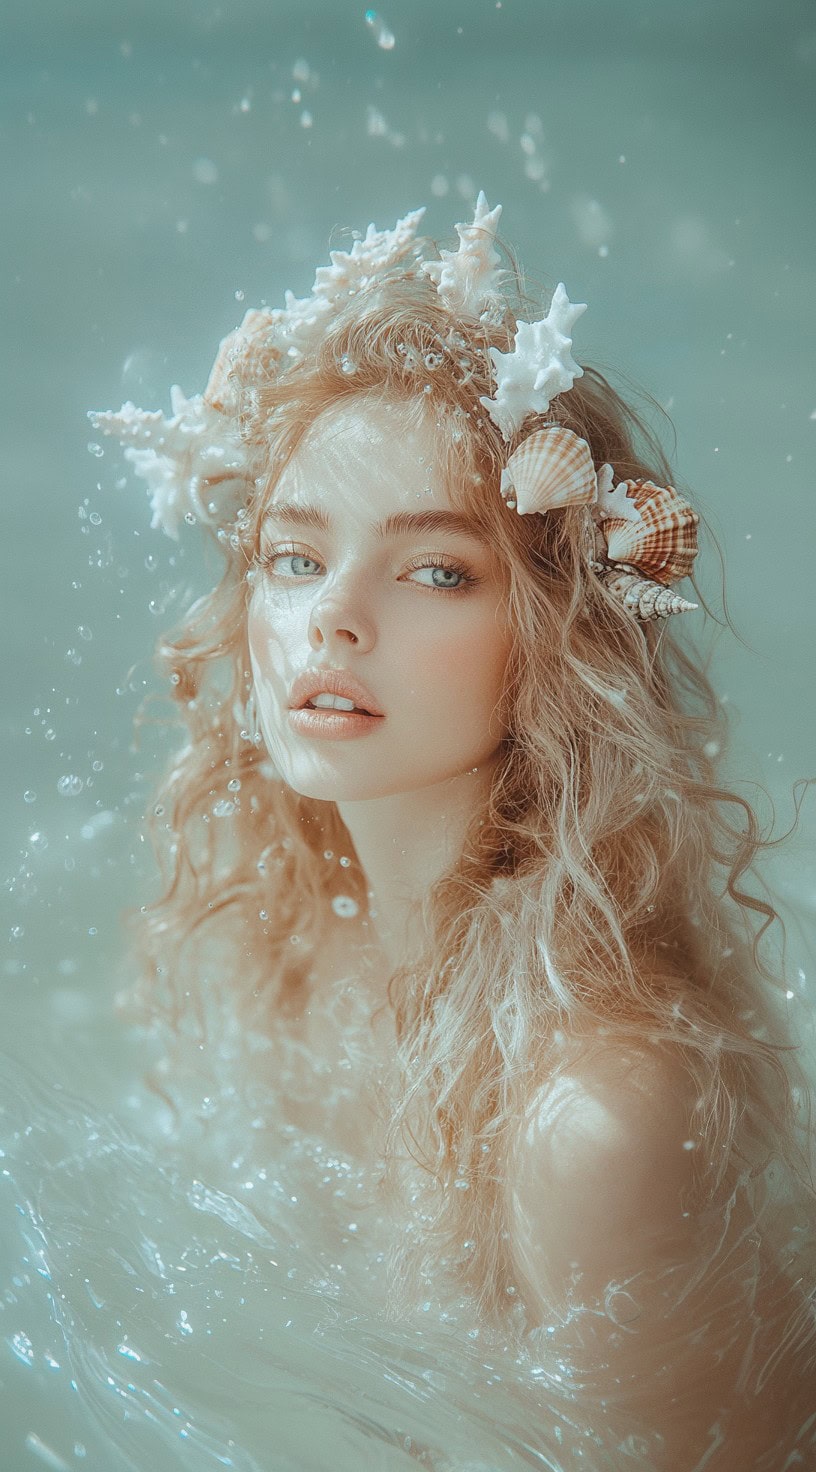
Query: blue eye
x=445 y=577
x=270 y=560
x=442 y=577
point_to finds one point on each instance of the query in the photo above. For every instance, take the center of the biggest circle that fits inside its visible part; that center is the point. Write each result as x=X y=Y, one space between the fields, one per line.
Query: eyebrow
x=399 y=522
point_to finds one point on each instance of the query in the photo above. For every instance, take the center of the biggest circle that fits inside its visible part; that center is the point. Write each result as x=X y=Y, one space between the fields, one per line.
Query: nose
x=333 y=622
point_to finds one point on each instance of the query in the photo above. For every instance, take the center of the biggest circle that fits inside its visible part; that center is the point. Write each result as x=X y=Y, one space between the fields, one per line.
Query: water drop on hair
x=344 y=906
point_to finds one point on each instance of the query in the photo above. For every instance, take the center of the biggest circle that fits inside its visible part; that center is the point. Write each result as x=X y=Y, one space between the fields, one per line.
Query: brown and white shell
x=551 y=468
x=645 y=598
x=662 y=541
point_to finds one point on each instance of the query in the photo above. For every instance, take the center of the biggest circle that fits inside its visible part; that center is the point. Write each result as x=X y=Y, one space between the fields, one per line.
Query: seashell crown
x=639 y=537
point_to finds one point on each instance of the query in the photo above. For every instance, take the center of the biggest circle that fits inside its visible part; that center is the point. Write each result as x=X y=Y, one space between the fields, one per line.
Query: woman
x=442 y=741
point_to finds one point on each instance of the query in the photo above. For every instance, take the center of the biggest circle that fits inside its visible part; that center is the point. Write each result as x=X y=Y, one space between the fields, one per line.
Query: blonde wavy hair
x=601 y=886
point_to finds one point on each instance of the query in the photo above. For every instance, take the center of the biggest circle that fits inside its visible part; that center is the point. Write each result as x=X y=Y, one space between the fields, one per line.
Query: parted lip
x=334 y=682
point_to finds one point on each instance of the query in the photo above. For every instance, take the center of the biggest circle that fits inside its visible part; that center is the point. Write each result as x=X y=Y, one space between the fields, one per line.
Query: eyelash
x=266 y=559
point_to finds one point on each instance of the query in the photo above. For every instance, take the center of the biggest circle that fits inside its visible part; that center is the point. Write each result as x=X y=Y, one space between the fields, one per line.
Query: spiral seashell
x=661 y=540
x=551 y=468
x=646 y=599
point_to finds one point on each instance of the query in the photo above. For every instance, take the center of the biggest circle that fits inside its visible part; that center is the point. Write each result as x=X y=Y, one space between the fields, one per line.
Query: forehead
x=373 y=454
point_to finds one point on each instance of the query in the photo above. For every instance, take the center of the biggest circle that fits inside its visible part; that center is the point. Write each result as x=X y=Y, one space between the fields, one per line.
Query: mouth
x=329 y=723
x=341 y=710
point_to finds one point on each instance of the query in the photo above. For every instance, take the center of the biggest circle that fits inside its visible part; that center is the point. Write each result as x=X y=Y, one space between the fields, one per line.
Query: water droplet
x=189 y=518
x=223 y=808
x=239 y=296
x=183 y=1324
x=158 y=810
x=205 y=171
x=70 y=785
x=263 y=914
x=328 y=853
x=344 y=906
x=348 y=364
x=234 y=785
x=344 y=862
x=23 y=1348
x=381 y=32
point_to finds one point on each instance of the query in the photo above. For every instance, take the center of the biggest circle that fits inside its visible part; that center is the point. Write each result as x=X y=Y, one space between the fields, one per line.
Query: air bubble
x=234 y=785
x=29 y=795
x=344 y=862
x=95 y=449
x=70 y=785
x=84 y=632
x=95 y=519
x=38 y=840
x=328 y=853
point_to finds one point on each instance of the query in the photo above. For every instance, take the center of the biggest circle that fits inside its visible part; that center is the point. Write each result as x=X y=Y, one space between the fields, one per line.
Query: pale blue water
x=167 y=166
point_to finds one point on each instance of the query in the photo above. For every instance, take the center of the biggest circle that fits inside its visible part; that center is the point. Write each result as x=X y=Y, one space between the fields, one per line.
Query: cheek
x=466 y=664
x=265 y=637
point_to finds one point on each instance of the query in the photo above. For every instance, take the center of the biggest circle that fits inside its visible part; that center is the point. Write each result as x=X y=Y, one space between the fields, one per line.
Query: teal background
x=160 y=177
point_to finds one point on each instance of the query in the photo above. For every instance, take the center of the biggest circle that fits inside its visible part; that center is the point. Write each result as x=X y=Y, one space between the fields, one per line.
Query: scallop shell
x=646 y=599
x=662 y=541
x=550 y=469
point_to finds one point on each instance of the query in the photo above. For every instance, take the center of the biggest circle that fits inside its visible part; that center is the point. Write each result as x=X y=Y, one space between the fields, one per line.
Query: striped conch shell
x=552 y=468
x=648 y=527
x=646 y=599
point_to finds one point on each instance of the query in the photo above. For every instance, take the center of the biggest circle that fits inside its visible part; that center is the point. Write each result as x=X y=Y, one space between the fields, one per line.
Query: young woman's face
x=349 y=580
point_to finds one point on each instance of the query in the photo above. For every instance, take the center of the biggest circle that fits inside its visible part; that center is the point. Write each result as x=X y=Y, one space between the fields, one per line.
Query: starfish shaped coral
x=467 y=279
x=539 y=366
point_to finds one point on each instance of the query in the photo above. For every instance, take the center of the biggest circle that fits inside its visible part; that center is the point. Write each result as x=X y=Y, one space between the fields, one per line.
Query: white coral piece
x=539 y=367
x=293 y=327
x=615 y=502
x=468 y=279
x=189 y=461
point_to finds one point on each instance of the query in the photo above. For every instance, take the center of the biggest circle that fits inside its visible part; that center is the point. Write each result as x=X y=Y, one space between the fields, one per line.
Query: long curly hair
x=603 y=884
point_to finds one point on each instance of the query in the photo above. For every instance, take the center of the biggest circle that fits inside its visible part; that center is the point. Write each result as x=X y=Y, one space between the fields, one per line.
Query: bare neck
x=405 y=842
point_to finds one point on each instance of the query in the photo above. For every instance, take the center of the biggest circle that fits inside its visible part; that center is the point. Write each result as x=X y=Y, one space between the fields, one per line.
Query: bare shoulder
x=602 y=1177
